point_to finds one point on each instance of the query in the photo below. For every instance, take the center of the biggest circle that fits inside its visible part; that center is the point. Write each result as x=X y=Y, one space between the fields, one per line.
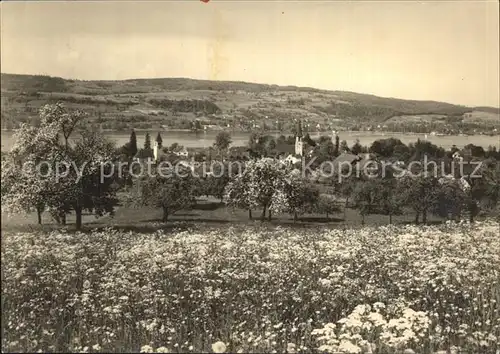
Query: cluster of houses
x=290 y=153
x=159 y=153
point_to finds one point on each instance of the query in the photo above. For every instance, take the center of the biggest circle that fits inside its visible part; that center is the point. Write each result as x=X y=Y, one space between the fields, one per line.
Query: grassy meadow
x=249 y=288
x=208 y=213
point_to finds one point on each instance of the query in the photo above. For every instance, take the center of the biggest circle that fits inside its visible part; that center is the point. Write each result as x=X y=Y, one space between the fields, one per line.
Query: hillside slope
x=177 y=103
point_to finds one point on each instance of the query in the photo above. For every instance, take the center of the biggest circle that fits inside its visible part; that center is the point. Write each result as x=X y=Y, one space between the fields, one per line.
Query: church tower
x=334 y=137
x=299 y=145
x=157 y=147
x=155 y=151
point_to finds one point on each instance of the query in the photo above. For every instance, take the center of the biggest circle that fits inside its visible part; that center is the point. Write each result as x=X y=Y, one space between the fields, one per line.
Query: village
x=250 y=177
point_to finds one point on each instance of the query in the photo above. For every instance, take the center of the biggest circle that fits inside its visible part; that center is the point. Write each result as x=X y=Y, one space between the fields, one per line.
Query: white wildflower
x=219 y=347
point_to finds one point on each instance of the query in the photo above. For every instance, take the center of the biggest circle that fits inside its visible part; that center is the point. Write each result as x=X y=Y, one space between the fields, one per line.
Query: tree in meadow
x=78 y=184
x=325 y=151
x=171 y=192
x=261 y=145
x=147 y=142
x=29 y=166
x=423 y=148
x=401 y=153
x=237 y=195
x=337 y=146
x=386 y=147
x=345 y=188
x=90 y=189
x=262 y=184
x=327 y=204
x=451 y=198
x=215 y=184
x=420 y=193
x=344 y=147
x=301 y=196
x=60 y=119
x=482 y=188
x=281 y=139
x=365 y=197
x=147 y=151
x=132 y=146
x=357 y=148
x=492 y=153
x=21 y=189
x=388 y=198
x=222 y=142
x=309 y=141
x=475 y=150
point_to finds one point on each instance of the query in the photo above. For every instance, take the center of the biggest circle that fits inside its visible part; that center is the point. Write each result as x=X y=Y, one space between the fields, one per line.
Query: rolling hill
x=177 y=103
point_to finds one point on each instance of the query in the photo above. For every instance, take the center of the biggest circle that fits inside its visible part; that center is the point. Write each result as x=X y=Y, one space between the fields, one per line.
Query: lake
x=206 y=139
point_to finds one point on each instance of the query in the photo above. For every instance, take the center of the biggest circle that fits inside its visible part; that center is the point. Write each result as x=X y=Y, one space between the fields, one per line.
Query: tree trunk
x=78 y=213
x=56 y=218
x=345 y=207
x=424 y=216
x=327 y=217
x=39 y=211
x=250 y=214
x=263 y=216
x=473 y=211
x=269 y=215
x=362 y=219
x=295 y=216
x=63 y=218
x=165 y=215
x=417 y=217
x=390 y=219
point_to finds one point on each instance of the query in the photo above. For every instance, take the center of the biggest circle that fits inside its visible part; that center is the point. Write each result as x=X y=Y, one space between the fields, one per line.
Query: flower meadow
x=393 y=289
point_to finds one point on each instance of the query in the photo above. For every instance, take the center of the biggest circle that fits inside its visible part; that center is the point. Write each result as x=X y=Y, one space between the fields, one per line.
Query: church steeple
x=299 y=147
x=298 y=130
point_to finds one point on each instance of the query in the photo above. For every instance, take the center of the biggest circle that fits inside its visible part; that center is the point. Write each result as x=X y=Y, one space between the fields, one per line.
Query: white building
x=299 y=144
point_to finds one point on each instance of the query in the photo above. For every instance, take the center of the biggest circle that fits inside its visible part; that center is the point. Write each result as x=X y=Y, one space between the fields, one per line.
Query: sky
x=444 y=51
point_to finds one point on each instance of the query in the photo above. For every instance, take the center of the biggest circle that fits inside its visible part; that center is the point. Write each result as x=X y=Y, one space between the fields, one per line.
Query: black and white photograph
x=250 y=176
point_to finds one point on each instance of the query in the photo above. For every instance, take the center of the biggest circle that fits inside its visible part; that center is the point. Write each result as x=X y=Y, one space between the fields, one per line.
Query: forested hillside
x=179 y=103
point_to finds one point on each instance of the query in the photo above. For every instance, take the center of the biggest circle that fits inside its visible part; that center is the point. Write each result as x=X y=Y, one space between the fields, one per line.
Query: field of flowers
x=384 y=290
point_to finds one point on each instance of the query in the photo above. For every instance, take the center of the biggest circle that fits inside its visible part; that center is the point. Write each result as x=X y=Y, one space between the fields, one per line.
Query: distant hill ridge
x=177 y=102
x=57 y=84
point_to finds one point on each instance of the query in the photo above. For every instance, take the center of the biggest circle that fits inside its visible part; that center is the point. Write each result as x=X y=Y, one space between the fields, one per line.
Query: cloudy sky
x=445 y=51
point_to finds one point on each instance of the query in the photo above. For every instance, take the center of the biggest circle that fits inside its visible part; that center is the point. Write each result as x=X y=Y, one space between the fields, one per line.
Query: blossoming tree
x=46 y=170
x=262 y=184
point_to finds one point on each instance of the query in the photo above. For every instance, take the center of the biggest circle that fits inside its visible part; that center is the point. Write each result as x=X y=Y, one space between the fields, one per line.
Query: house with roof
x=361 y=163
x=345 y=161
x=182 y=152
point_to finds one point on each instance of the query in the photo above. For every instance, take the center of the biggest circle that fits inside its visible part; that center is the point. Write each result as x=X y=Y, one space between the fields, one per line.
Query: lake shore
x=204 y=139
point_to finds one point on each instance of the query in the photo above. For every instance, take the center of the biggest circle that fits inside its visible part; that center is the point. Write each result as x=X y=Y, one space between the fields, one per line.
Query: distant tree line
x=263 y=181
